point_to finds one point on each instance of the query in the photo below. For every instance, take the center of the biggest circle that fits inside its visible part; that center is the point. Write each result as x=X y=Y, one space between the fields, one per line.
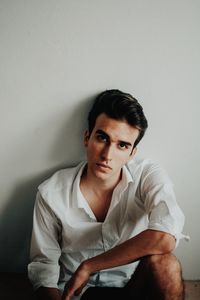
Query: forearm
x=45 y=293
x=148 y=242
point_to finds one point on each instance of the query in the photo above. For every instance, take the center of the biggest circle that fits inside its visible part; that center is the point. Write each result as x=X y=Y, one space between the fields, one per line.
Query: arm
x=44 y=293
x=148 y=242
x=44 y=269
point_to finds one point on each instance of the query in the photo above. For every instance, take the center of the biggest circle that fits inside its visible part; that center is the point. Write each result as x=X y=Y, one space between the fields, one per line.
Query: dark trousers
x=104 y=293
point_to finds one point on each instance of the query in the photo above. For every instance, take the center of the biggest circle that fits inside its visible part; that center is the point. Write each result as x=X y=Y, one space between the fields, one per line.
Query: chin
x=102 y=174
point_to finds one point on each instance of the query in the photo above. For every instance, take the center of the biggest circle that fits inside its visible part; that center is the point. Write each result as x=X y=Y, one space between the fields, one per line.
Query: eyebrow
x=99 y=131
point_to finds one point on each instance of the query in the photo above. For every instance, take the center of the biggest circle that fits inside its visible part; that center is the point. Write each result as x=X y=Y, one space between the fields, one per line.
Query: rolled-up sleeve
x=160 y=203
x=44 y=269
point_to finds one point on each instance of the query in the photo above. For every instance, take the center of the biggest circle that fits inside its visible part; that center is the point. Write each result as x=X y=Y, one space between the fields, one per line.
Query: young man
x=107 y=228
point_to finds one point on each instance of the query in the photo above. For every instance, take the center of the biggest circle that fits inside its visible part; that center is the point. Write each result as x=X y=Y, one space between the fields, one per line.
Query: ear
x=86 y=138
x=134 y=150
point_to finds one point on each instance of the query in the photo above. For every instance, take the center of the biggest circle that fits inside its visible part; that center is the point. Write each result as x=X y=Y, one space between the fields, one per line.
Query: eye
x=102 y=138
x=123 y=146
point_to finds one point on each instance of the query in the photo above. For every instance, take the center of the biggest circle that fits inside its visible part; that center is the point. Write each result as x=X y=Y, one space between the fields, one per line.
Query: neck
x=98 y=185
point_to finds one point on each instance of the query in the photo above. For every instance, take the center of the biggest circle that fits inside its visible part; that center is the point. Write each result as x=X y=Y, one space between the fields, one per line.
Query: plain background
x=55 y=56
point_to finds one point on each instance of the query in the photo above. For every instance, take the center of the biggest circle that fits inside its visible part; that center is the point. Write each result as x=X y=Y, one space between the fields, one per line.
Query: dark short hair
x=119 y=106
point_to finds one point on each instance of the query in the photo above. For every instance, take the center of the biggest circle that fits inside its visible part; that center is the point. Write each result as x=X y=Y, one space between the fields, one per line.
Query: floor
x=192 y=290
x=16 y=286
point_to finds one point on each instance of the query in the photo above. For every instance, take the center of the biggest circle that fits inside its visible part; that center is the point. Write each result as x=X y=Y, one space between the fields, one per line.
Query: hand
x=77 y=282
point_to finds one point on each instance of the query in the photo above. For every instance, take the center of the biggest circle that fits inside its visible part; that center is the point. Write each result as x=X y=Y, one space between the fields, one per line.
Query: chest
x=115 y=222
x=99 y=206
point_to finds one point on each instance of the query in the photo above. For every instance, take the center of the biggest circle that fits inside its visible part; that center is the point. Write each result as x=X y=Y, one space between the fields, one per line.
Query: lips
x=103 y=166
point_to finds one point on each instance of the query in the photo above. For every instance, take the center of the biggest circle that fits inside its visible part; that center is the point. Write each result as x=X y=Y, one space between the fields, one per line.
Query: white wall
x=55 y=57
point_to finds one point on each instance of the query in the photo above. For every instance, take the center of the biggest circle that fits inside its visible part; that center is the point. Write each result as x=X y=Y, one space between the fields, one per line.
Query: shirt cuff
x=178 y=235
x=43 y=275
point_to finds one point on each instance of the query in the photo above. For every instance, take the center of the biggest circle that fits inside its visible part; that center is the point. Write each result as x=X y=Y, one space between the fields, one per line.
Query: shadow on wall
x=16 y=225
x=16 y=219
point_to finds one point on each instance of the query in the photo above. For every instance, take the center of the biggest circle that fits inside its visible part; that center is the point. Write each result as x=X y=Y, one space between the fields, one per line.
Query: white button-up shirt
x=66 y=232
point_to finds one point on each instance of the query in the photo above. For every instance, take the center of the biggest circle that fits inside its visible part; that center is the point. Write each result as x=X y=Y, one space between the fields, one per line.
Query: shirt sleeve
x=43 y=269
x=160 y=203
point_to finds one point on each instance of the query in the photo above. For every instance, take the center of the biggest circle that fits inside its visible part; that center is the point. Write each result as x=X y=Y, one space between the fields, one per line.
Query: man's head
x=119 y=106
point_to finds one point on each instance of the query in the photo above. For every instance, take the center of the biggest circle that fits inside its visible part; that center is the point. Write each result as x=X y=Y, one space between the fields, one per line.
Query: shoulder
x=62 y=179
x=147 y=170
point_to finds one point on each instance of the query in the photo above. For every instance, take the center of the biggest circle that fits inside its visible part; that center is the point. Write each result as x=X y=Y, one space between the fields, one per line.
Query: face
x=109 y=147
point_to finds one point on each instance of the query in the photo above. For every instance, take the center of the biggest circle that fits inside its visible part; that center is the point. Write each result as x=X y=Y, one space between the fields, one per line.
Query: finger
x=78 y=291
x=66 y=295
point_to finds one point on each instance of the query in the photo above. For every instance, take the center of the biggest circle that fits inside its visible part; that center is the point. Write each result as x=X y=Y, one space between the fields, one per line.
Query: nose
x=107 y=153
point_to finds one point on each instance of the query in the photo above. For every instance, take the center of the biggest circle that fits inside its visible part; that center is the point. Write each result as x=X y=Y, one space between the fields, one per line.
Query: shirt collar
x=78 y=199
x=77 y=195
x=126 y=178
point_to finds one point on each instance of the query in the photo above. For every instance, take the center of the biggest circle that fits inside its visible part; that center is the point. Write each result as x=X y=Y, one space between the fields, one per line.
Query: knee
x=164 y=264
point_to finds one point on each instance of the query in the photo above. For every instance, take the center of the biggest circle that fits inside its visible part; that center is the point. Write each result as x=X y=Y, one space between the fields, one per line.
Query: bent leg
x=157 y=277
